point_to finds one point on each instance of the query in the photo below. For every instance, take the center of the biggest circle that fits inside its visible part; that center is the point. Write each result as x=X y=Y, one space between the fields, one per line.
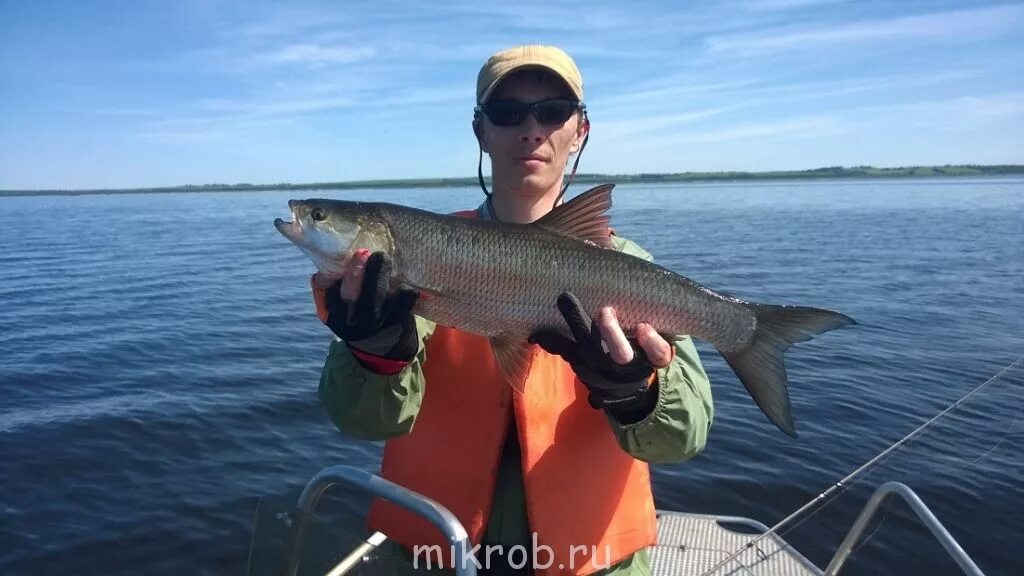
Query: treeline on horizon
x=824 y=173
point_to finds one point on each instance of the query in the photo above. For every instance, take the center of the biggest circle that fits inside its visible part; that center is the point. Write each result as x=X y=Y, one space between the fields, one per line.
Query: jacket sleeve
x=369 y=405
x=677 y=427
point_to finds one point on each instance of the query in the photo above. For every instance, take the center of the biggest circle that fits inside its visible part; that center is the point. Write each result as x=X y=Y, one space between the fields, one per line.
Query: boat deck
x=693 y=544
x=688 y=544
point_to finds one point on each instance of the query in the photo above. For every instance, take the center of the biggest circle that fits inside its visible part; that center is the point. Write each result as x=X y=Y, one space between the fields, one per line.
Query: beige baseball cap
x=503 y=63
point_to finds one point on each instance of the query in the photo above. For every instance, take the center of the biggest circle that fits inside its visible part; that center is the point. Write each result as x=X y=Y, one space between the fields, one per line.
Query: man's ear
x=478 y=130
x=581 y=134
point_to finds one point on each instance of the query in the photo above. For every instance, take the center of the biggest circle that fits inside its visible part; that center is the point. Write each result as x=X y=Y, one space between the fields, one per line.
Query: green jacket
x=371 y=406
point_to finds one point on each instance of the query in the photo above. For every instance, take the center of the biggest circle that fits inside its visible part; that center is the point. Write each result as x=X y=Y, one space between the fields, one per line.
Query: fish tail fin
x=761 y=365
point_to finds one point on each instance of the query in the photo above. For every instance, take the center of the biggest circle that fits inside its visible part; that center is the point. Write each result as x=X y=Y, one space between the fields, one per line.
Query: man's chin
x=529 y=188
x=534 y=184
x=527 y=182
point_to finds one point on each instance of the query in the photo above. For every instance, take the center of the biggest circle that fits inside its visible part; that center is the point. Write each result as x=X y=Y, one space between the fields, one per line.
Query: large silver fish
x=502 y=280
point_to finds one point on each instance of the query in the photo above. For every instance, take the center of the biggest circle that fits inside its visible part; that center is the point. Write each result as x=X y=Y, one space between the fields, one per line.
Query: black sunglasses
x=551 y=112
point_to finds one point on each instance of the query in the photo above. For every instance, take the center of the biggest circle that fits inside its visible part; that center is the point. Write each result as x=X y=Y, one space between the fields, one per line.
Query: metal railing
x=437 y=514
x=923 y=513
x=465 y=565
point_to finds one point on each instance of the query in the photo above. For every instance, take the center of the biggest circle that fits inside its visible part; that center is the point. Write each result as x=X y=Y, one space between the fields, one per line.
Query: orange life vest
x=589 y=503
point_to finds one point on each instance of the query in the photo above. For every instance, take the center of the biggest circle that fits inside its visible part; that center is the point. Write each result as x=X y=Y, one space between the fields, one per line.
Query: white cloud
x=805 y=91
x=670 y=95
x=632 y=126
x=963 y=111
x=419 y=96
x=961 y=24
x=290 y=20
x=316 y=56
x=284 y=107
x=673 y=106
x=769 y=133
x=769 y=5
x=582 y=17
x=799 y=127
x=221 y=131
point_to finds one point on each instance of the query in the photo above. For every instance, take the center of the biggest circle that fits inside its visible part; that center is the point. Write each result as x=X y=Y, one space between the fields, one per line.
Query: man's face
x=529 y=159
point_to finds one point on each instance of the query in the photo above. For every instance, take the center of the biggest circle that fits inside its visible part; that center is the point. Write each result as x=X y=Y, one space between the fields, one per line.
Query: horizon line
x=865 y=171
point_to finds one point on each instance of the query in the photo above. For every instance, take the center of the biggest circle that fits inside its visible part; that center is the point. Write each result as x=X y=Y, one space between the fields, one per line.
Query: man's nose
x=532 y=131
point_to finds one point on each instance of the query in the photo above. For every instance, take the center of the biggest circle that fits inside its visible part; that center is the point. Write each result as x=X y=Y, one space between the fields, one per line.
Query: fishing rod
x=840 y=486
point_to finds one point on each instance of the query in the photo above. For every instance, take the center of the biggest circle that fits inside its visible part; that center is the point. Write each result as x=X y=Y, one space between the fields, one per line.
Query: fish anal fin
x=515 y=358
x=584 y=217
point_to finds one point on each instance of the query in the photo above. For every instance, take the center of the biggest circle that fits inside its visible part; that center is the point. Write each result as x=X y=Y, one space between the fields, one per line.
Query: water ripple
x=161 y=361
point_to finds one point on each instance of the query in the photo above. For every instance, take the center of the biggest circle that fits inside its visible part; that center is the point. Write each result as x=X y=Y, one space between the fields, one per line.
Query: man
x=561 y=470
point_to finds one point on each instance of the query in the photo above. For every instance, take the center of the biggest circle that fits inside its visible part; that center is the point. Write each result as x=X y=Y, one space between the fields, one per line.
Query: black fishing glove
x=378 y=322
x=622 y=389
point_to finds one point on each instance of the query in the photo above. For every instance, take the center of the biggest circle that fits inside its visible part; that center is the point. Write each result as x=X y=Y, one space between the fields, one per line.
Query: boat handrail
x=465 y=564
x=923 y=513
x=434 y=512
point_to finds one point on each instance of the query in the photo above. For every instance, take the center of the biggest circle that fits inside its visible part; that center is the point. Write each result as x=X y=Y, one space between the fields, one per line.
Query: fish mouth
x=312 y=241
x=292 y=229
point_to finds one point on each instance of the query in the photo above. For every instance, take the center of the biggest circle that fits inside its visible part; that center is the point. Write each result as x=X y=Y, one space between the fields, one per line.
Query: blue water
x=159 y=360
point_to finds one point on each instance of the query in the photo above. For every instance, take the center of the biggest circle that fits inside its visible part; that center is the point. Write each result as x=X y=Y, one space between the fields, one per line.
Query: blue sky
x=136 y=94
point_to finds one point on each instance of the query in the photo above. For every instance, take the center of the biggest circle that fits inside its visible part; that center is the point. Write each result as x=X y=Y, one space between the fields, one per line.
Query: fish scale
x=502 y=281
x=507 y=280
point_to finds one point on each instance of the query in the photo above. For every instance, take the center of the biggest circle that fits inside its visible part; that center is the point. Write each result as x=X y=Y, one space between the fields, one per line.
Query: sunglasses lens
x=554 y=111
x=548 y=112
x=506 y=113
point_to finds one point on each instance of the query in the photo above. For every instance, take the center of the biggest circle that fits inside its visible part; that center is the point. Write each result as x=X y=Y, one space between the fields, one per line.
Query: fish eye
x=318 y=214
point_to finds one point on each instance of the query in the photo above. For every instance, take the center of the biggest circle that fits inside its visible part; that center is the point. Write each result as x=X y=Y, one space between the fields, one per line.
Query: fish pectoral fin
x=583 y=217
x=515 y=358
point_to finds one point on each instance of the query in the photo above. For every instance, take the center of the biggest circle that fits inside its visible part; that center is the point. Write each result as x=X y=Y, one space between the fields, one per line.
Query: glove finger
x=590 y=339
x=374 y=289
x=580 y=323
x=554 y=343
x=401 y=304
x=640 y=368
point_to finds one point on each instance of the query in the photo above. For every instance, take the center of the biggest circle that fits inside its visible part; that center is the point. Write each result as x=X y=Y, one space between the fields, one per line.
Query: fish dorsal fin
x=583 y=217
x=515 y=358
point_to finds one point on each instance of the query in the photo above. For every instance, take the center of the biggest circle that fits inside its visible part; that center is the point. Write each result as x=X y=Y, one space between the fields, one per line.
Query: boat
x=294 y=541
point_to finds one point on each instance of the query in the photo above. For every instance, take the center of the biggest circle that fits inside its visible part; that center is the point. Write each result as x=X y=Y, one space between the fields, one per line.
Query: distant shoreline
x=834 y=172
